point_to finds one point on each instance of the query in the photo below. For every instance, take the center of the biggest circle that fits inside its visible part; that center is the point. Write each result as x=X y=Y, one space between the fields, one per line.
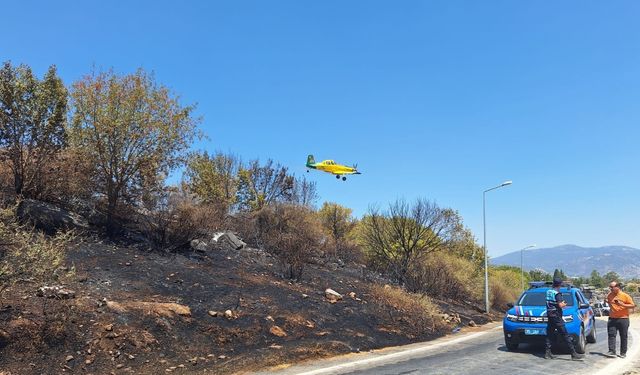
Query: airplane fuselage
x=332 y=167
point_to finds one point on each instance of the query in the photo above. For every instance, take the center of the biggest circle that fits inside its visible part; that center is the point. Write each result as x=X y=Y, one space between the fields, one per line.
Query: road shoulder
x=358 y=361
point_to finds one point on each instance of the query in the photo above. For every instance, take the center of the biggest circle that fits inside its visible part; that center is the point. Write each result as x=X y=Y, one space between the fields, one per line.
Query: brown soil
x=148 y=313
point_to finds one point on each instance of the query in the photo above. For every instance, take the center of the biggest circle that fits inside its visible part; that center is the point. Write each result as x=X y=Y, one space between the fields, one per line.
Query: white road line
x=385 y=358
x=618 y=365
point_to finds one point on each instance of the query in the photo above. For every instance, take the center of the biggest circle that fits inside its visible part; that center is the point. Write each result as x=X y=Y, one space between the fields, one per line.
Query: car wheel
x=511 y=346
x=581 y=345
x=591 y=338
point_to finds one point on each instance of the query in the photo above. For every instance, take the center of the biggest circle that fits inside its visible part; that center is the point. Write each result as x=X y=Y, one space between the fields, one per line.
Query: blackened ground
x=130 y=315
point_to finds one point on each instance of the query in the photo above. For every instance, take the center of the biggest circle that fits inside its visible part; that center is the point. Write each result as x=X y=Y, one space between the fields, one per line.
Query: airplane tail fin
x=310 y=160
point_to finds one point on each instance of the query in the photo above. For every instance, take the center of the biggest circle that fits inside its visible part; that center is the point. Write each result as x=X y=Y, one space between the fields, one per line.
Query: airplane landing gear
x=344 y=179
x=338 y=176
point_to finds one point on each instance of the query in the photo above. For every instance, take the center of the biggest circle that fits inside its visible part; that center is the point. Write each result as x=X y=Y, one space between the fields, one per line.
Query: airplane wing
x=340 y=173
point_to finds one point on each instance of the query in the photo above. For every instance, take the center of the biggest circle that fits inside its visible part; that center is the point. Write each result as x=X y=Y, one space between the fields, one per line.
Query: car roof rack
x=549 y=284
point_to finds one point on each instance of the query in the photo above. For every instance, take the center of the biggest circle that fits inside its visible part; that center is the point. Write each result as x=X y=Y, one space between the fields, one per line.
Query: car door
x=585 y=312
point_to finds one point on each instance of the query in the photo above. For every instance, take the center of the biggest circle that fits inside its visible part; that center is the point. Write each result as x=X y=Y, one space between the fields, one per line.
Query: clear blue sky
x=434 y=99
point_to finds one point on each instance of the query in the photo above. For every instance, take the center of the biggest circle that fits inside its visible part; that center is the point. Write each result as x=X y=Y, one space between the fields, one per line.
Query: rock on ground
x=48 y=217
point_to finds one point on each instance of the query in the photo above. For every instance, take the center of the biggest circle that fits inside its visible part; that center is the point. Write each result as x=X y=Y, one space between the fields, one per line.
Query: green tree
x=403 y=235
x=505 y=267
x=304 y=192
x=463 y=244
x=580 y=280
x=596 y=280
x=539 y=275
x=133 y=130
x=558 y=274
x=610 y=276
x=338 y=222
x=262 y=185
x=33 y=117
x=213 y=179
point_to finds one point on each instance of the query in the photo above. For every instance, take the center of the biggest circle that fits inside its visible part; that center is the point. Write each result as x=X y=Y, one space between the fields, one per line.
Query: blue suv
x=526 y=322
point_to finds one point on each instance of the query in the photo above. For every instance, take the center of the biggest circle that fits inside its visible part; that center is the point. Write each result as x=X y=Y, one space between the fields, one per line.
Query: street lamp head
x=506 y=183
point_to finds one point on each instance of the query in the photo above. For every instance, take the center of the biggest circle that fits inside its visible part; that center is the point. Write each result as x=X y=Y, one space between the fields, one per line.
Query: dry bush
x=351 y=252
x=63 y=178
x=66 y=178
x=406 y=233
x=632 y=287
x=290 y=232
x=348 y=251
x=7 y=192
x=29 y=255
x=339 y=225
x=504 y=287
x=444 y=275
x=244 y=224
x=416 y=309
x=176 y=218
x=64 y=181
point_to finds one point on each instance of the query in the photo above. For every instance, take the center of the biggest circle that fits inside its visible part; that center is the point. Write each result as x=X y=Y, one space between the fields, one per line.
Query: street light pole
x=522 y=264
x=484 y=237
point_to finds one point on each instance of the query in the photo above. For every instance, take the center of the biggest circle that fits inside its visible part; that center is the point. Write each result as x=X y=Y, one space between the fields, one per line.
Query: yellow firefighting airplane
x=332 y=167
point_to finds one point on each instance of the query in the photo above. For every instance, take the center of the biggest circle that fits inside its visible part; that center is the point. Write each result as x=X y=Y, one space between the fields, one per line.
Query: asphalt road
x=481 y=352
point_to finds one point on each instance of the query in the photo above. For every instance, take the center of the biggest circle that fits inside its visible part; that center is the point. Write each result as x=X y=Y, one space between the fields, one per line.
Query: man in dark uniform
x=555 y=303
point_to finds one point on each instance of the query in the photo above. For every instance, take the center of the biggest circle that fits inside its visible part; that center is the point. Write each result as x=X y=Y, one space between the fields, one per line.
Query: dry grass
x=30 y=256
x=446 y=276
x=31 y=259
x=414 y=309
x=504 y=287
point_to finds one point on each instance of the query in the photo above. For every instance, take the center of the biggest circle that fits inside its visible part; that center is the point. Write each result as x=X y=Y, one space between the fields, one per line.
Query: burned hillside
x=220 y=311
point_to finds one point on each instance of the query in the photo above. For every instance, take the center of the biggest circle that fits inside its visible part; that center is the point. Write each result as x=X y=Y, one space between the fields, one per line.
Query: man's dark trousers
x=557 y=324
x=618 y=325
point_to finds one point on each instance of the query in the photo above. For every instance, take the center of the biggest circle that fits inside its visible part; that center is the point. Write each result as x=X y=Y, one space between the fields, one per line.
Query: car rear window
x=538 y=299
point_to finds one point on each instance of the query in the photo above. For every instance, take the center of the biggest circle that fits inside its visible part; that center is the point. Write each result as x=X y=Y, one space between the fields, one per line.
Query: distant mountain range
x=577 y=261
